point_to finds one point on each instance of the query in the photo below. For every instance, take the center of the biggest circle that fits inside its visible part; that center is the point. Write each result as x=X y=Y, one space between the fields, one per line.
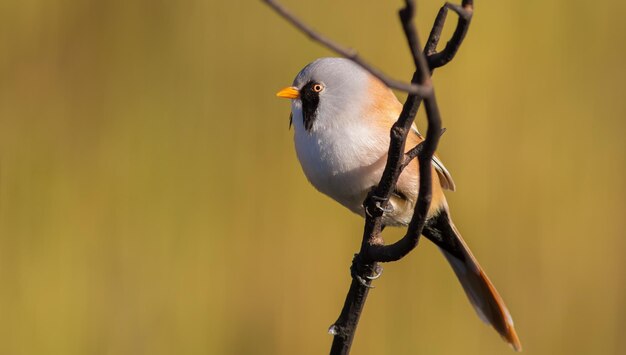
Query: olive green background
x=151 y=201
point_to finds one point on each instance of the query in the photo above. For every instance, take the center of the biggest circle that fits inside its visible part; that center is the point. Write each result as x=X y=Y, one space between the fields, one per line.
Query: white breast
x=343 y=161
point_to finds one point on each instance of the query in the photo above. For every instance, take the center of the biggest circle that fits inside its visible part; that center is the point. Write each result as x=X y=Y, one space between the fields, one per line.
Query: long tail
x=480 y=291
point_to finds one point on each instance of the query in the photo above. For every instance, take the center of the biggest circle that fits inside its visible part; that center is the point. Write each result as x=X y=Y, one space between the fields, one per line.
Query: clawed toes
x=381 y=204
x=378 y=272
x=358 y=270
x=362 y=281
x=385 y=207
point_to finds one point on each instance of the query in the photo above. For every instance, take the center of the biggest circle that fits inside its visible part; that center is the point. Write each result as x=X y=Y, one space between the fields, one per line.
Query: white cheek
x=306 y=142
x=296 y=111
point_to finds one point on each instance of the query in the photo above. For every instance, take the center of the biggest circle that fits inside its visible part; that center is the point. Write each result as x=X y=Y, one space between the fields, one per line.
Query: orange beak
x=289 y=93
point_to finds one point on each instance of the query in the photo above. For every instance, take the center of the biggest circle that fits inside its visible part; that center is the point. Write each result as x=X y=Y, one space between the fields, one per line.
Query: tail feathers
x=477 y=286
x=485 y=299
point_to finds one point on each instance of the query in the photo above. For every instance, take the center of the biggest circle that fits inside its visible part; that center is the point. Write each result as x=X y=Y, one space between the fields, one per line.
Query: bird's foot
x=382 y=204
x=365 y=273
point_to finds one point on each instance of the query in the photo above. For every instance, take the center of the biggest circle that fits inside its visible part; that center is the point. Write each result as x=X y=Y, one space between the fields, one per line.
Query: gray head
x=328 y=89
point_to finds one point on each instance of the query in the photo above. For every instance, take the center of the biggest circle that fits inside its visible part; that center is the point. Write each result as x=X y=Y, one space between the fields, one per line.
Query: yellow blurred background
x=151 y=201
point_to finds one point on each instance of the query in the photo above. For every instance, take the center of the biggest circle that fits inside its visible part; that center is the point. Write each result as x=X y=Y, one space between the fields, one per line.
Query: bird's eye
x=318 y=87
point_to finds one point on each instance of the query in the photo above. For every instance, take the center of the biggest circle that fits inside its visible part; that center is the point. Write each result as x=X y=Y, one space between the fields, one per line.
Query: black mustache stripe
x=310 y=101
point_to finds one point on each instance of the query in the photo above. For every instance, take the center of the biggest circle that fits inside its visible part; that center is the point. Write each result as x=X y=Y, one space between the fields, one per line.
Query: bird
x=341 y=116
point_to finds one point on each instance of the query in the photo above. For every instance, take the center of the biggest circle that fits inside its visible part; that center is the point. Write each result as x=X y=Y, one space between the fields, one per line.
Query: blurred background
x=151 y=201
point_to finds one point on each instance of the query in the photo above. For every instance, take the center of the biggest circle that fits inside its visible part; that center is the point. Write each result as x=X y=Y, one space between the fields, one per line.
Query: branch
x=397 y=250
x=345 y=52
x=365 y=266
x=439 y=59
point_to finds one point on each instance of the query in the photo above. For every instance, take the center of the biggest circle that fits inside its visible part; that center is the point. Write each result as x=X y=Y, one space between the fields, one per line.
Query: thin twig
x=439 y=59
x=411 y=154
x=414 y=153
x=345 y=52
